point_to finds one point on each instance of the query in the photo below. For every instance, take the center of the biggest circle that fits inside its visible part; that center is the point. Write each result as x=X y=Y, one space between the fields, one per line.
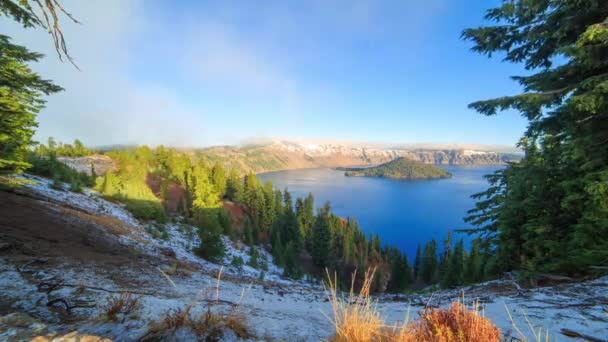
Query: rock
x=4 y=246
x=167 y=251
x=19 y=326
x=168 y=269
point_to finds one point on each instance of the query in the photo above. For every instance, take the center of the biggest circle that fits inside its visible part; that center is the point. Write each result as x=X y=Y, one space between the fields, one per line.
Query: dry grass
x=356 y=319
x=355 y=316
x=212 y=325
x=123 y=305
x=456 y=323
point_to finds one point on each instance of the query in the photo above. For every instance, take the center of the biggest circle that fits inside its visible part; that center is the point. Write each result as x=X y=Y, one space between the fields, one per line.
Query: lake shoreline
x=403 y=213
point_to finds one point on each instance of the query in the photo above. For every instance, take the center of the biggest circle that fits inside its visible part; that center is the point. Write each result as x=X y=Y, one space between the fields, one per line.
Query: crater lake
x=403 y=212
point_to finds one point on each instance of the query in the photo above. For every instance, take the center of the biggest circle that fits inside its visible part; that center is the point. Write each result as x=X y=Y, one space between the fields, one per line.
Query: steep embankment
x=281 y=155
x=65 y=256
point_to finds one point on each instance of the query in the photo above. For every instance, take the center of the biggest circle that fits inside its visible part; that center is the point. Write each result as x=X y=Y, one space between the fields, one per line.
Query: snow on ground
x=278 y=308
x=180 y=237
x=88 y=201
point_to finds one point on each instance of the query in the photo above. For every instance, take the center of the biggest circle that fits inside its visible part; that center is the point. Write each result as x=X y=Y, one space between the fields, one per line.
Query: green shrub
x=212 y=247
x=50 y=167
x=237 y=262
x=253 y=257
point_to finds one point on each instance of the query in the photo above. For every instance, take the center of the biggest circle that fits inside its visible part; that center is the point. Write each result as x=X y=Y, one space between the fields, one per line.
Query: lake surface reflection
x=404 y=213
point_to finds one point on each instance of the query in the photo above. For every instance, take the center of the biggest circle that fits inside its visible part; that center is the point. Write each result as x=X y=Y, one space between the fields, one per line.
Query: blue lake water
x=404 y=213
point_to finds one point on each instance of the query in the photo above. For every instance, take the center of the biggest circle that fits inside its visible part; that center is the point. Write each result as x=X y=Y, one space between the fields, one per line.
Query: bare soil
x=36 y=236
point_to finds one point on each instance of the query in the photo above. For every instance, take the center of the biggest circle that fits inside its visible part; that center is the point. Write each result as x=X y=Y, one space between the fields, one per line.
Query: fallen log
x=574 y=334
x=50 y=287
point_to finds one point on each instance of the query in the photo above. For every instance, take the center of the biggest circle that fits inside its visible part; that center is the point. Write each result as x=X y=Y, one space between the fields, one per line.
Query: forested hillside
x=400 y=168
x=305 y=238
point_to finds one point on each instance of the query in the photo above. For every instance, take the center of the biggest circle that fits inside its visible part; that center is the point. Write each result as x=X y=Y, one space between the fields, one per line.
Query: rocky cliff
x=283 y=155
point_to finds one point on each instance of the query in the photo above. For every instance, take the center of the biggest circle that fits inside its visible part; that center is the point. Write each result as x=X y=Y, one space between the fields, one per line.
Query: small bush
x=263 y=262
x=208 y=326
x=237 y=262
x=212 y=247
x=253 y=257
x=356 y=319
x=455 y=323
x=123 y=305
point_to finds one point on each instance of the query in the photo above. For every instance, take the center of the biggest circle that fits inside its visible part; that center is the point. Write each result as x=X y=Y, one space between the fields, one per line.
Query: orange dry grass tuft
x=124 y=304
x=356 y=319
x=455 y=323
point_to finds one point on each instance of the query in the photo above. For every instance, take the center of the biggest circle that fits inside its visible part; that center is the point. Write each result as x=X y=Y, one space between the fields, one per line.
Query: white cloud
x=102 y=104
x=150 y=75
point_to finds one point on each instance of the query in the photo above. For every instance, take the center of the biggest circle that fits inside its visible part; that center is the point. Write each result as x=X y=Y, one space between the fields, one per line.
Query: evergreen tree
x=306 y=218
x=321 y=249
x=21 y=99
x=473 y=270
x=253 y=257
x=548 y=213
x=218 y=178
x=292 y=268
x=206 y=209
x=269 y=211
x=428 y=266
x=417 y=262
x=445 y=271
x=289 y=224
x=248 y=233
x=454 y=275
x=234 y=185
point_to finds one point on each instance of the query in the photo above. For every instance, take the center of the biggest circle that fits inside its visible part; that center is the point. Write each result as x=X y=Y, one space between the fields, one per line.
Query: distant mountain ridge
x=287 y=155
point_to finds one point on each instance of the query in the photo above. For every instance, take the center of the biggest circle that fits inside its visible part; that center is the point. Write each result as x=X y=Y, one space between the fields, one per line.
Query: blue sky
x=204 y=73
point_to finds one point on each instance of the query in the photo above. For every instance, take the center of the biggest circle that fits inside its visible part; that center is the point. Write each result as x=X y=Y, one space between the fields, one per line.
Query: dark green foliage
x=292 y=267
x=263 y=262
x=21 y=99
x=321 y=238
x=400 y=168
x=549 y=212
x=212 y=247
x=50 y=167
x=157 y=231
x=417 y=262
x=401 y=272
x=248 y=233
x=454 y=275
x=234 y=185
x=77 y=149
x=428 y=265
x=474 y=269
x=237 y=262
x=224 y=222
x=306 y=218
x=253 y=257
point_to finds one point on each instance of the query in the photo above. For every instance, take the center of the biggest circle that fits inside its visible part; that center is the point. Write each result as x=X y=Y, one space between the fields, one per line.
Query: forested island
x=400 y=168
